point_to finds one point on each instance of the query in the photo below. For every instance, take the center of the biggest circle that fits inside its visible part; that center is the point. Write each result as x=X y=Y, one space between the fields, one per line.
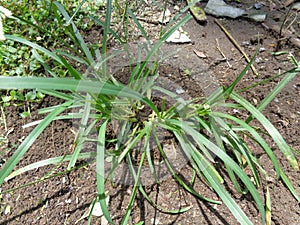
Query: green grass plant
x=193 y=124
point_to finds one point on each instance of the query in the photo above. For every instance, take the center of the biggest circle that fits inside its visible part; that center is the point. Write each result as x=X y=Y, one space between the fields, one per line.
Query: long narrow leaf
x=135 y=186
x=72 y=71
x=57 y=94
x=35 y=46
x=290 y=75
x=205 y=168
x=29 y=140
x=78 y=36
x=156 y=47
x=229 y=90
x=37 y=56
x=72 y=85
x=46 y=162
x=256 y=137
x=289 y=185
x=100 y=171
x=96 y=20
x=82 y=135
x=219 y=136
x=277 y=137
x=178 y=179
x=198 y=137
x=242 y=147
x=140 y=27
x=106 y=26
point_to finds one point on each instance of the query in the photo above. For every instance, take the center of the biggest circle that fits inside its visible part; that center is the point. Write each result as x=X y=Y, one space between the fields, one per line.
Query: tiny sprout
x=187 y=72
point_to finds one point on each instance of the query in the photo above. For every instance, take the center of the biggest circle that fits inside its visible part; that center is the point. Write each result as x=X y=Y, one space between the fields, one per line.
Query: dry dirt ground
x=64 y=199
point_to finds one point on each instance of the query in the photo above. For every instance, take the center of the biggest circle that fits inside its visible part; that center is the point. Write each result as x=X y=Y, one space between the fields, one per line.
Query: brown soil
x=64 y=199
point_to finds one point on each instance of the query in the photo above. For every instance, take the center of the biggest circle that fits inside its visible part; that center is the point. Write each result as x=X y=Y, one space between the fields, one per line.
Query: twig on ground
x=281 y=29
x=148 y=21
x=4 y=119
x=237 y=46
x=219 y=49
x=285 y=20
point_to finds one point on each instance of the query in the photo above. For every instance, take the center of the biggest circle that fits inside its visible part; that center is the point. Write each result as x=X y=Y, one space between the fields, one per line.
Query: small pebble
x=235 y=111
x=257 y=5
x=179 y=90
x=245 y=43
x=258 y=59
x=262 y=49
x=155 y=221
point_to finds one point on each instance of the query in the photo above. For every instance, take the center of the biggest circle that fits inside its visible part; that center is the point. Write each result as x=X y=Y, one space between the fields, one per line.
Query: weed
x=129 y=110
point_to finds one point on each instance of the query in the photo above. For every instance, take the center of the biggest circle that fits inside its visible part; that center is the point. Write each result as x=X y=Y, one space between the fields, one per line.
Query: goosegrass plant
x=97 y=99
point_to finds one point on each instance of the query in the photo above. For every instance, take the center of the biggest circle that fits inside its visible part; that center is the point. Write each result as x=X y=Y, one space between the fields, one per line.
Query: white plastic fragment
x=68 y=201
x=257 y=5
x=179 y=36
x=97 y=211
x=104 y=221
x=165 y=17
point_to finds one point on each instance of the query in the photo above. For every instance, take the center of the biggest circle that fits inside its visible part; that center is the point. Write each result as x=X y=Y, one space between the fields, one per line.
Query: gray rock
x=256 y=15
x=219 y=8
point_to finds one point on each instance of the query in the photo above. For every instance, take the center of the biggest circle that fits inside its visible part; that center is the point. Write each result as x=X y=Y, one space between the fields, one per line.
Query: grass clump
x=101 y=103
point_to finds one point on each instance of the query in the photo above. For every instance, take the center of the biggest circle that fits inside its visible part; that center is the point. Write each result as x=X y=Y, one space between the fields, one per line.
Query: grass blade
x=35 y=46
x=83 y=131
x=140 y=27
x=73 y=85
x=57 y=94
x=29 y=140
x=46 y=162
x=116 y=36
x=256 y=137
x=135 y=186
x=100 y=171
x=37 y=56
x=289 y=185
x=76 y=33
x=106 y=26
x=219 y=136
x=156 y=47
x=242 y=147
x=199 y=138
x=268 y=207
x=290 y=75
x=177 y=178
x=210 y=176
x=277 y=137
x=72 y=71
